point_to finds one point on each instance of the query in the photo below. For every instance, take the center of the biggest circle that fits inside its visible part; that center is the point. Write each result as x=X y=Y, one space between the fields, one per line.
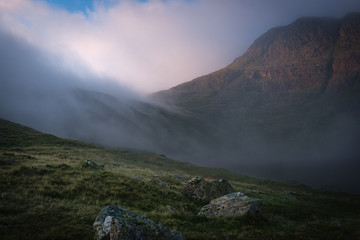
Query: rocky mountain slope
x=312 y=54
x=288 y=107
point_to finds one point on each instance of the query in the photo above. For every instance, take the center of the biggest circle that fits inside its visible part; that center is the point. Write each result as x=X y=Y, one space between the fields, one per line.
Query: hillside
x=47 y=192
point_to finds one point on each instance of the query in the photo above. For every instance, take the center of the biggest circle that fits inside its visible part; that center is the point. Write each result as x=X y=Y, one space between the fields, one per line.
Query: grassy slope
x=48 y=193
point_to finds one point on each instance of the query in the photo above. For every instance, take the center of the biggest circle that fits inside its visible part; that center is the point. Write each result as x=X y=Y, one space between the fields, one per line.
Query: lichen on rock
x=233 y=204
x=115 y=223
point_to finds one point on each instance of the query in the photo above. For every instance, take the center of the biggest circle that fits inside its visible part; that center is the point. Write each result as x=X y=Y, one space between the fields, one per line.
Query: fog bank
x=39 y=89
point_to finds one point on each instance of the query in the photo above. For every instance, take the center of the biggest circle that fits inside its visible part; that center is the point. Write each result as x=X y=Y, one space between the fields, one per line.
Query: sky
x=151 y=45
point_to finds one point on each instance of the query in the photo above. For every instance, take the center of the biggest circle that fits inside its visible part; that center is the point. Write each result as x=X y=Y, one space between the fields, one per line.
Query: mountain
x=311 y=54
x=289 y=108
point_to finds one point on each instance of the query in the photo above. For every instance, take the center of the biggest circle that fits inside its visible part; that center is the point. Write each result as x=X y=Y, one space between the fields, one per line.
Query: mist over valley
x=248 y=117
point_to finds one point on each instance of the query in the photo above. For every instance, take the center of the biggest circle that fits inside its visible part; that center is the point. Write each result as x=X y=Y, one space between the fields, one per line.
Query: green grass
x=47 y=192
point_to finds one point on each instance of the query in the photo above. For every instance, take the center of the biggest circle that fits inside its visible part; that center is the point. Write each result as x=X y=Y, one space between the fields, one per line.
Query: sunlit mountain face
x=286 y=106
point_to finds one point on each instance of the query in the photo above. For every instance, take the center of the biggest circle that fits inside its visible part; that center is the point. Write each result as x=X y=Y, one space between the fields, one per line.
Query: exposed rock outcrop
x=233 y=204
x=116 y=223
x=201 y=190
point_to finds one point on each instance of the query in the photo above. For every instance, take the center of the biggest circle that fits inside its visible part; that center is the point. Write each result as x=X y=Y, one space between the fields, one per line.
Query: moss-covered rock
x=117 y=223
x=201 y=190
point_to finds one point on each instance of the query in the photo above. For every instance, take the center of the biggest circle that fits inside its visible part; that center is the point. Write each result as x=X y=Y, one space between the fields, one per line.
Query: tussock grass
x=47 y=192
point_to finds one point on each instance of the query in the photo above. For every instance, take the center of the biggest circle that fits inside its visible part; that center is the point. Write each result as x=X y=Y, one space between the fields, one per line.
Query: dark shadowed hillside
x=48 y=192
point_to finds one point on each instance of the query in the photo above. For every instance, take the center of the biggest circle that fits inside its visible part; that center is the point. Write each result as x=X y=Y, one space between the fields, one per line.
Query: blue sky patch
x=87 y=5
x=83 y=5
x=72 y=5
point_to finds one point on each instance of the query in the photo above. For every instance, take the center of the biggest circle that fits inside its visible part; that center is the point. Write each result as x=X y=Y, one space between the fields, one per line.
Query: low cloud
x=158 y=44
x=71 y=75
x=36 y=92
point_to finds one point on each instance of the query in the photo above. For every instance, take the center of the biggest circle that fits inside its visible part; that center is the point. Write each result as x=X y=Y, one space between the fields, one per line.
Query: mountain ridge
x=311 y=53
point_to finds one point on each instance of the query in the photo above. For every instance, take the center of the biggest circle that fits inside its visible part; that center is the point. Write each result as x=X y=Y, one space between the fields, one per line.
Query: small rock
x=233 y=204
x=338 y=224
x=172 y=209
x=160 y=182
x=93 y=164
x=138 y=178
x=201 y=190
x=117 y=223
x=17 y=149
x=179 y=177
x=291 y=195
x=196 y=179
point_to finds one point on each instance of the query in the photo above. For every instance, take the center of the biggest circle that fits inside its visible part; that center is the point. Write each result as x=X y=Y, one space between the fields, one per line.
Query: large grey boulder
x=233 y=204
x=201 y=190
x=117 y=223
